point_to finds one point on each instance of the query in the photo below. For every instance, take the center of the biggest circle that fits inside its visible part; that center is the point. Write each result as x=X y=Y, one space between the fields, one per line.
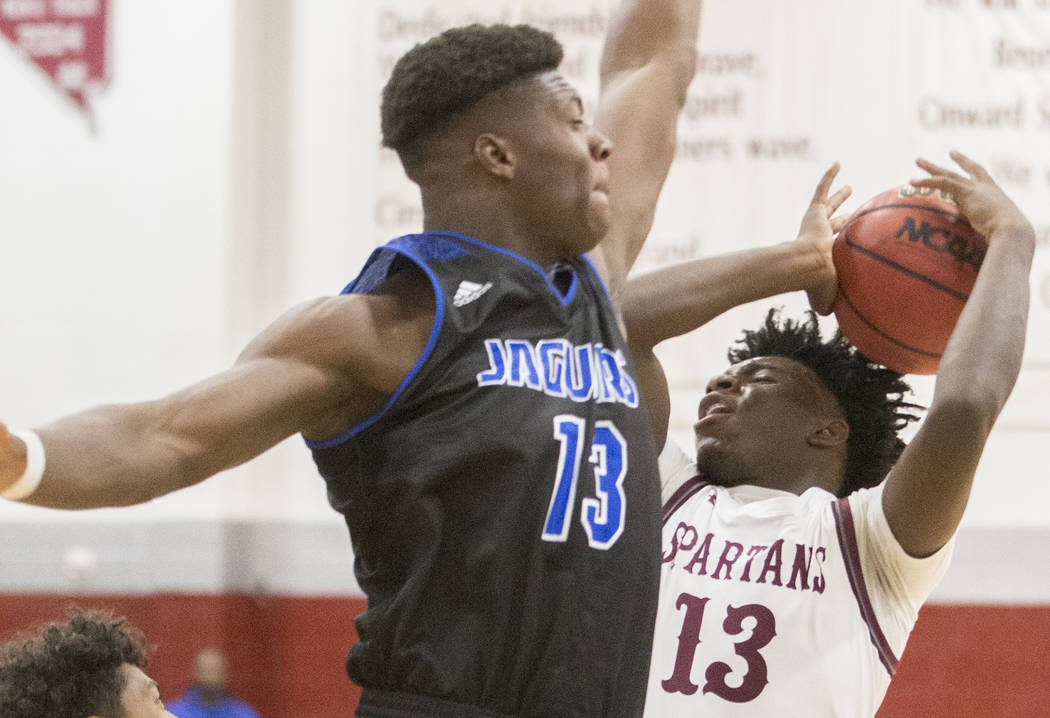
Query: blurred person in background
x=209 y=696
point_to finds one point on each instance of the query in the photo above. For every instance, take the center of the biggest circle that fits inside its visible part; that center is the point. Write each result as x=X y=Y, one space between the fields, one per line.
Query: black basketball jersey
x=504 y=506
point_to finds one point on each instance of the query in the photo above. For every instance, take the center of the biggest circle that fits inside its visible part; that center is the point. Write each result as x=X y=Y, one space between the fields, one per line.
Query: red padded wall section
x=286 y=653
x=974 y=661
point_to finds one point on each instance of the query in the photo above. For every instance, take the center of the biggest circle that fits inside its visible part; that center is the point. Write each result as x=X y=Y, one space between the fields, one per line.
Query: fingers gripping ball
x=906 y=262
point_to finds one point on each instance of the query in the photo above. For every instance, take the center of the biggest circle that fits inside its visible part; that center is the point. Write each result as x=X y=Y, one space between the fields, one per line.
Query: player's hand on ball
x=985 y=206
x=12 y=458
x=818 y=230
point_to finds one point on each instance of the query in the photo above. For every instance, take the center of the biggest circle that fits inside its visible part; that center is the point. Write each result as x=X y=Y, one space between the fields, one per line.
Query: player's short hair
x=70 y=669
x=870 y=396
x=447 y=75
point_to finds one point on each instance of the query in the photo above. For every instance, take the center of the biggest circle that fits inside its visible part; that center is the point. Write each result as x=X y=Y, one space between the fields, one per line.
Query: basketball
x=906 y=262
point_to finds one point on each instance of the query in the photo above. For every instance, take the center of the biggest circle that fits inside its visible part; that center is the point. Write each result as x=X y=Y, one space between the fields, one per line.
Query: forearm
x=111 y=456
x=126 y=454
x=676 y=300
x=303 y=374
x=983 y=357
x=652 y=382
x=927 y=492
x=642 y=30
x=647 y=64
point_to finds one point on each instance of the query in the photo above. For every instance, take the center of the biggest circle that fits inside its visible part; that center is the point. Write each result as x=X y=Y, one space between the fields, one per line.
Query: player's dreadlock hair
x=70 y=669
x=871 y=396
x=448 y=74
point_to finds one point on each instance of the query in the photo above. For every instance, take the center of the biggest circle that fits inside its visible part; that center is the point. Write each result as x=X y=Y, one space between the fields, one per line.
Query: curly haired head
x=450 y=73
x=70 y=669
x=870 y=396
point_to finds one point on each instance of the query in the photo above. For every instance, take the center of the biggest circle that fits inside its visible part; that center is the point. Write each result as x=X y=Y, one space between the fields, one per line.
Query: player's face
x=140 y=697
x=561 y=174
x=755 y=420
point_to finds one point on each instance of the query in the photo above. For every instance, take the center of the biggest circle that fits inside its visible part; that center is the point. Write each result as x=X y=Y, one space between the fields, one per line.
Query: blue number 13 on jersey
x=603 y=514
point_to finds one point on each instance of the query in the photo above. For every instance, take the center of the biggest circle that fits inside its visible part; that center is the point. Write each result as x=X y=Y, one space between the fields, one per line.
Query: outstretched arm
x=676 y=300
x=302 y=374
x=647 y=63
x=926 y=492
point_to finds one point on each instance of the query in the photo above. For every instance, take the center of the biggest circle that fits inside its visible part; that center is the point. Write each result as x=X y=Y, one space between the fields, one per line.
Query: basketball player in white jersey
x=799 y=546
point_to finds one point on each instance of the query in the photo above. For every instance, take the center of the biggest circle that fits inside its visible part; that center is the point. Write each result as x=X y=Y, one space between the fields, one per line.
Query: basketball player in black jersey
x=468 y=399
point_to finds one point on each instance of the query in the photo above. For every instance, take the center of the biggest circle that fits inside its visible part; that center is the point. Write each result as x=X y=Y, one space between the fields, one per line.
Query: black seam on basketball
x=946 y=213
x=884 y=335
x=901 y=268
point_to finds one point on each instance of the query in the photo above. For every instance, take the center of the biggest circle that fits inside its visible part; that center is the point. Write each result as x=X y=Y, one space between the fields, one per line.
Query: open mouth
x=713 y=405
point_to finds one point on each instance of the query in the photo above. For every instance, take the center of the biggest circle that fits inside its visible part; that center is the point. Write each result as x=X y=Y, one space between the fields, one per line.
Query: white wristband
x=30 y=479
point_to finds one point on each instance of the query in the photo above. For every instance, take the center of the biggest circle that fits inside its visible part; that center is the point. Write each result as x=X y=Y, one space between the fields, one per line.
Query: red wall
x=967 y=661
x=286 y=654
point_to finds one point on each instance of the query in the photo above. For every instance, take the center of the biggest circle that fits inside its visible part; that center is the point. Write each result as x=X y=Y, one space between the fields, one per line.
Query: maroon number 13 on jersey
x=756 y=677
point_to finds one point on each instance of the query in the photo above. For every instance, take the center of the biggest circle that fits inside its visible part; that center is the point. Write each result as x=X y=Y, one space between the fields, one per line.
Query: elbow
x=638 y=340
x=684 y=61
x=169 y=471
x=187 y=464
x=640 y=329
x=973 y=391
x=672 y=68
x=133 y=494
x=177 y=460
x=972 y=413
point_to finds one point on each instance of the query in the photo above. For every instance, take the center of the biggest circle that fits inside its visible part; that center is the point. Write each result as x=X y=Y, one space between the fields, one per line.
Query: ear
x=494 y=155
x=833 y=432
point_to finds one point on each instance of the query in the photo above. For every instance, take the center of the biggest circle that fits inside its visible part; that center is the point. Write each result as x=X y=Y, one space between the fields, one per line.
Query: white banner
x=783 y=90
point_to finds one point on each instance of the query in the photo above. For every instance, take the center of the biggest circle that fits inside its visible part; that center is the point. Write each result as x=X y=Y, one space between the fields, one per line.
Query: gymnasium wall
x=286 y=654
x=231 y=168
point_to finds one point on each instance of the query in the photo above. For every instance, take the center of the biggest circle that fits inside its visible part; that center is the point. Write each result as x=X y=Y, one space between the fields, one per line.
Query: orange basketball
x=906 y=263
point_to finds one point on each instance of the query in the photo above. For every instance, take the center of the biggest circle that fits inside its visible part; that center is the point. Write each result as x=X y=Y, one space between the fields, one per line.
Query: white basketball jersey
x=773 y=604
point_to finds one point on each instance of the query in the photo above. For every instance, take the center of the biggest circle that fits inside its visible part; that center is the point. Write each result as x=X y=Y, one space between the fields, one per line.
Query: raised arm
x=926 y=492
x=316 y=370
x=647 y=63
x=676 y=300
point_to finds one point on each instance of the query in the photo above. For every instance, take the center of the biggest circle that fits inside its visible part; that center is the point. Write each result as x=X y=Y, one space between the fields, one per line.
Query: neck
x=485 y=217
x=798 y=485
x=814 y=471
x=795 y=477
x=211 y=694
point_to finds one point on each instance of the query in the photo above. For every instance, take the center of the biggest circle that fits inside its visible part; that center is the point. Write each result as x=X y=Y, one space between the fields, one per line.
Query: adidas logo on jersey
x=467 y=292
